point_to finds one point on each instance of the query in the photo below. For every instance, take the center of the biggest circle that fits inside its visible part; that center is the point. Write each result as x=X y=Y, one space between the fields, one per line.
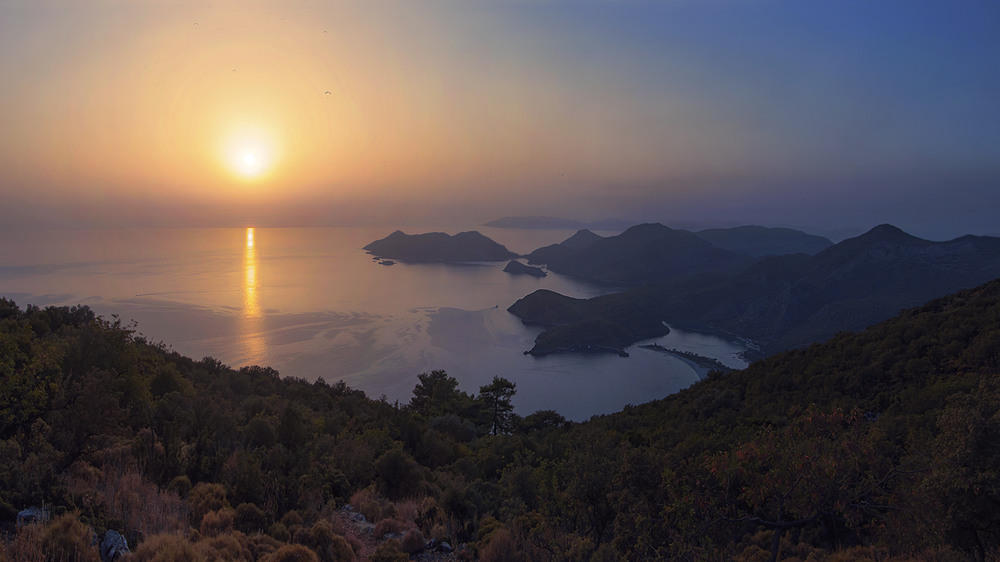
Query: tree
x=398 y=475
x=496 y=401
x=437 y=394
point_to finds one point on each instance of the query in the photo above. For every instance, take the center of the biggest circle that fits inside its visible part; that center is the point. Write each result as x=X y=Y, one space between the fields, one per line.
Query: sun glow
x=250 y=154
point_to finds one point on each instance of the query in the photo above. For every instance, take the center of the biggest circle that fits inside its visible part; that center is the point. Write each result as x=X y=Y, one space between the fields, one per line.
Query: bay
x=311 y=303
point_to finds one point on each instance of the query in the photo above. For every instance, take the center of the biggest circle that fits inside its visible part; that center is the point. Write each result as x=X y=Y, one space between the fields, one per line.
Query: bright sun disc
x=249 y=154
x=250 y=164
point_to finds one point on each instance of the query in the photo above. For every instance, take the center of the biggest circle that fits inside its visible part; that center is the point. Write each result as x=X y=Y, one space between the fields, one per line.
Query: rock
x=32 y=515
x=114 y=546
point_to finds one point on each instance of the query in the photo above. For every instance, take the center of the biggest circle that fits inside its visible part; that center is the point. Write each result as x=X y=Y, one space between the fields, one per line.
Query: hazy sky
x=825 y=114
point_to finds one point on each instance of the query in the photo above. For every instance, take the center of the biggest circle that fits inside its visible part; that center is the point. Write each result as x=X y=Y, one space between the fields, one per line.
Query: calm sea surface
x=311 y=303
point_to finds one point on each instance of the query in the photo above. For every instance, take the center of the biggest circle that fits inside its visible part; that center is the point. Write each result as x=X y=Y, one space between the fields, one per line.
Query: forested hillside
x=880 y=445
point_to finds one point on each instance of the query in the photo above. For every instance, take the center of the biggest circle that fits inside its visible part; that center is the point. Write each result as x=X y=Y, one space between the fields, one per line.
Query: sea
x=311 y=303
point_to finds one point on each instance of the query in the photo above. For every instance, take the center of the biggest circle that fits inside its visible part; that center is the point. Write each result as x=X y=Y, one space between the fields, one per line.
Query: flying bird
x=329 y=92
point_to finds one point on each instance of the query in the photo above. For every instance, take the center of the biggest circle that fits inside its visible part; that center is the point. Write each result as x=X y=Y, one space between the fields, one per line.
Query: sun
x=250 y=164
x=249 y=154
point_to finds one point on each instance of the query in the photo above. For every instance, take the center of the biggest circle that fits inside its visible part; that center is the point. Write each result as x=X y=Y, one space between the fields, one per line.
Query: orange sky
x=148 y=109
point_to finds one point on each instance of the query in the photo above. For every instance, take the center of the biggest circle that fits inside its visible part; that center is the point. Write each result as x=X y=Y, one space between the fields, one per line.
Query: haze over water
x=311 y=303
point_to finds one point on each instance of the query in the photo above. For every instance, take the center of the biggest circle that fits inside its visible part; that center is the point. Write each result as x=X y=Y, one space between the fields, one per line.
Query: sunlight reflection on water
x=253 y=347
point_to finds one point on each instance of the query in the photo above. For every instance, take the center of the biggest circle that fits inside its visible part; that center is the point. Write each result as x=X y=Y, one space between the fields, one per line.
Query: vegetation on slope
x=878 y=445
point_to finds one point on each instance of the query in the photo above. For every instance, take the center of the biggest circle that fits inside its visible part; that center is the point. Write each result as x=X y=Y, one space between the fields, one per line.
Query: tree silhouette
x=496 y=400
x=437 y=394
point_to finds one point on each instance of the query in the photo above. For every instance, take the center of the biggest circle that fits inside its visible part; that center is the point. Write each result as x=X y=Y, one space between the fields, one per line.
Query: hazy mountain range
x=557 y=223
x=780 y=288
x=779 y=302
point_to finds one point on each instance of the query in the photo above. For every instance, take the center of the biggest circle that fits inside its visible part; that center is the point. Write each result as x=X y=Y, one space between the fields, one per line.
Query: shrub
x=180 y=485
x=166 y=548
x=389 y=526
x=261 y=545
x=439 y=532
x=410 y=510
x=217 y=522
x=326 y=542
x=413 y=542
x=206 y=497
x=389 y=551
x=340 y=550
x=279 y=532
x=249 y=518
x=230 y=546
x=372 y=506
x=292 y=553
x=291 y=518
x=68 y=539
x=501 y=548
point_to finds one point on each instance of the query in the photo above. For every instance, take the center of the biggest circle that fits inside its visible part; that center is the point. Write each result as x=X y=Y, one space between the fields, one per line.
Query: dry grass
x=139 y=503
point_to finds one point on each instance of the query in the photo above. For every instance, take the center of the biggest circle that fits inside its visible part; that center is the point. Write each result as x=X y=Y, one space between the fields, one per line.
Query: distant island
x=517 y=268
x=439 y=247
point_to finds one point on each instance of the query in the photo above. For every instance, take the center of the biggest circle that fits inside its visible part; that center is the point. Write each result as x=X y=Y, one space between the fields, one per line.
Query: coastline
x=700 y=364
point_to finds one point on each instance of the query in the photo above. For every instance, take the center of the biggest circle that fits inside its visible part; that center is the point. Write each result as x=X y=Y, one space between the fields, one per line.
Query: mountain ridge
x=782 y=302
x=644 y=253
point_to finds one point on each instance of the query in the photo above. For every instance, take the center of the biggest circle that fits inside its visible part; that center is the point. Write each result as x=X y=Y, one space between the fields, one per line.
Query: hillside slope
x=874 y=445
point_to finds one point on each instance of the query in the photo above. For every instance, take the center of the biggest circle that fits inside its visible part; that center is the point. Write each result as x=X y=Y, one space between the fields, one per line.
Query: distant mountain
x=557 y=223
x=782 y=302
x=759 y=241
x=540 y=223
x=569 y=246
x=787 y=301
x=643 y=253
x=439 y=247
